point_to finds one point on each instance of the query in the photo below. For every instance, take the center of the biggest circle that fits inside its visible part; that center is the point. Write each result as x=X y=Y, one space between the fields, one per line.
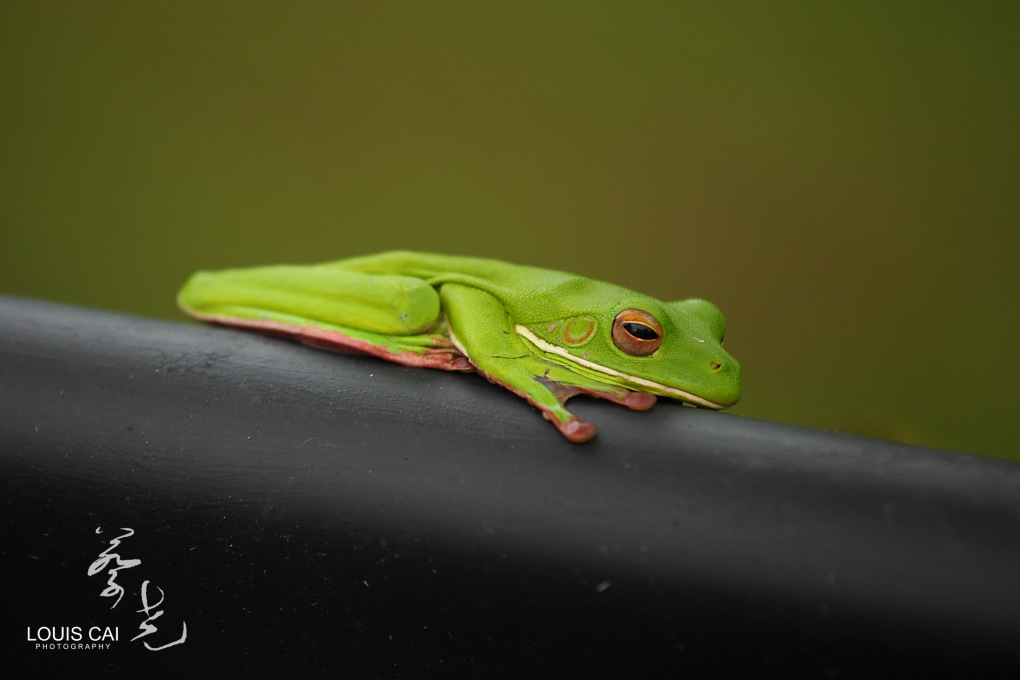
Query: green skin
x=545 y=335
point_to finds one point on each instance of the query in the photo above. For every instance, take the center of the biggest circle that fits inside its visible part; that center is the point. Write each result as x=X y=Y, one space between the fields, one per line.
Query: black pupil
x=640 y=331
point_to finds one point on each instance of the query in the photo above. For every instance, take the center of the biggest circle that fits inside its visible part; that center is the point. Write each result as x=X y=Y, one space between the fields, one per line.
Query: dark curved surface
x=307 y=512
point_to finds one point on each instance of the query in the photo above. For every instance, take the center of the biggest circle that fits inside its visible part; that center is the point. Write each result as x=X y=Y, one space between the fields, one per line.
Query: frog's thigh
x=485 y=331
x=386 y=304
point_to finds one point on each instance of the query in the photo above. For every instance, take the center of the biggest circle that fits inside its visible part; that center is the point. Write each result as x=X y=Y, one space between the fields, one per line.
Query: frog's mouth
x=647 y=385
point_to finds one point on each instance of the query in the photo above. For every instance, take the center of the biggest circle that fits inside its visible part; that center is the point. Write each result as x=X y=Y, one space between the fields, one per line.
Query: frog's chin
x=639 y=384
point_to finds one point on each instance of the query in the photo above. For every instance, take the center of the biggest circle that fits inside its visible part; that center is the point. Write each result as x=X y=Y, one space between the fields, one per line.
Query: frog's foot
x=548 y=387
x=548 y=397
x=572 y=427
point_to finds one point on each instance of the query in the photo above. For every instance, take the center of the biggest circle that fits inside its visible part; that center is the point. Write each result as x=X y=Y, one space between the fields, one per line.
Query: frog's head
x=671 y=349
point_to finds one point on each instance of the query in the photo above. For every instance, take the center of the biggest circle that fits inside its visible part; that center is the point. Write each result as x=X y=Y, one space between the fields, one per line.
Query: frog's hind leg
x=396 y=318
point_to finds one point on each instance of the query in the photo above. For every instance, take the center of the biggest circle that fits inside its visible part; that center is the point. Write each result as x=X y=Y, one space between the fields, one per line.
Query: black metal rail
x=307 y=512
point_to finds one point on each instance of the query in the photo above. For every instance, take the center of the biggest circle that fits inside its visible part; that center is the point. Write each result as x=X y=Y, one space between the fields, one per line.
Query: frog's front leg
x=482 y=329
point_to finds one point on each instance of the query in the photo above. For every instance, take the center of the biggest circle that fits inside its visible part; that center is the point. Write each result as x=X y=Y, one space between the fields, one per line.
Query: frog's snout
x=725 y=376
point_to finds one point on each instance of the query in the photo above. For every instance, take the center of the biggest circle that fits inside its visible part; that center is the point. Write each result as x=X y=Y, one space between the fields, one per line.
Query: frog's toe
x=577 y=431
x=639 y=401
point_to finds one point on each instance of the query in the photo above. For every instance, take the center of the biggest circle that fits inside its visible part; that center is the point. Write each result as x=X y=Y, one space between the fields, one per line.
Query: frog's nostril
x=715 y=365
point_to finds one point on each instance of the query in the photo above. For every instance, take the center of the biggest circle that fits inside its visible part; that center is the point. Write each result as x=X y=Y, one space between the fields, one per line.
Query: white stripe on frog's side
x=657 y=387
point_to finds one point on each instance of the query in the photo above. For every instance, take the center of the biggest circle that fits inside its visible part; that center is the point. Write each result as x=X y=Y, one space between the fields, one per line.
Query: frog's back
x=526 y=291
x=436 y=266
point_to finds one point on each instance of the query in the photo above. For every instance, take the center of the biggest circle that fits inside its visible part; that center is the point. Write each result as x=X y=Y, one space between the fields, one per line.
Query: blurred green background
x=840 y=178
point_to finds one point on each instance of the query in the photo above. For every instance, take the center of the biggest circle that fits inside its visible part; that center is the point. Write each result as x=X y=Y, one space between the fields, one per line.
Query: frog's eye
x=637 y=332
